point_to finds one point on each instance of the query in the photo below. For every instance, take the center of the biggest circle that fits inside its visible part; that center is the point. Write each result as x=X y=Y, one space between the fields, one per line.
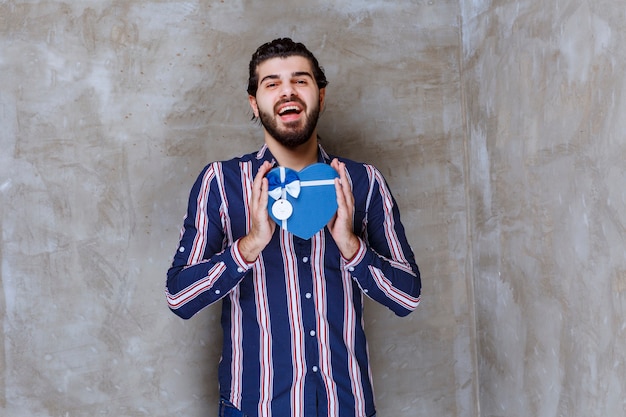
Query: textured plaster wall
x=499 y=126
x=545 y=93
x=109 y=110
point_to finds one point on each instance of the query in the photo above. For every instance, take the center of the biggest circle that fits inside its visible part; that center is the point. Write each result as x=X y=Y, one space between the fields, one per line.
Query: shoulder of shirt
x=355 y=166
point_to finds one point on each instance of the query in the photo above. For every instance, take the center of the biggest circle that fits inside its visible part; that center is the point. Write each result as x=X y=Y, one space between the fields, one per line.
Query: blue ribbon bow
x=283 y=182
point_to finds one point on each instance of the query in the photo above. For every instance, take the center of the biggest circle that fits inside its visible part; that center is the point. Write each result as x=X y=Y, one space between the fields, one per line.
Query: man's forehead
x=284 y=66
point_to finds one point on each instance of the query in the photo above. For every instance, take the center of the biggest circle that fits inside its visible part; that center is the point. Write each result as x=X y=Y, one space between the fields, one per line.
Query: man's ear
x=253 y=104
x=322 y=98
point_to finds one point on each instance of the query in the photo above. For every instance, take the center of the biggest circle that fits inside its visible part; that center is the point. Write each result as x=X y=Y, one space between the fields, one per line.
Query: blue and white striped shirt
x=294 y=343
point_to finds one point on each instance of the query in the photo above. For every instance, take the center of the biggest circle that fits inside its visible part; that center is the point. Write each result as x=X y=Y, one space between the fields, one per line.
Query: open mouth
x=289 y=111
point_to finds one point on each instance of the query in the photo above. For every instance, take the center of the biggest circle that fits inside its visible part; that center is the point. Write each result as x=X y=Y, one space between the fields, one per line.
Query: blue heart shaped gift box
x=302 y=202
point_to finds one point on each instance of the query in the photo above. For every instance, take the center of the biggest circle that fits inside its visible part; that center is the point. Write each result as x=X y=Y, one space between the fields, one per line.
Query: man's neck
x=296 y=158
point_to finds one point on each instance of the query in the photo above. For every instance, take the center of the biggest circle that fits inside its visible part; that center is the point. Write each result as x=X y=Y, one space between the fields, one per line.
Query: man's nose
x=288 y=90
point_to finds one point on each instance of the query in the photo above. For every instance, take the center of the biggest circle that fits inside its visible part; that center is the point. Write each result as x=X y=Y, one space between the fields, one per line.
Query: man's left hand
x=340 y=226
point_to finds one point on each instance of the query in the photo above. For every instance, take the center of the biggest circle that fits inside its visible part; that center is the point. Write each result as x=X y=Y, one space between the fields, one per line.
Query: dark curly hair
x=282 y=48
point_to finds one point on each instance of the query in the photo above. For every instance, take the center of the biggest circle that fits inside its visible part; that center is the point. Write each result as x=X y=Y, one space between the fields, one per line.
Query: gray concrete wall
x=498 y=125
x=110 y=109
x=545 y=95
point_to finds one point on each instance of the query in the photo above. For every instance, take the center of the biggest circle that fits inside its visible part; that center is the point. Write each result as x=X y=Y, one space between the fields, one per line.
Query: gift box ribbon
x=284 y=182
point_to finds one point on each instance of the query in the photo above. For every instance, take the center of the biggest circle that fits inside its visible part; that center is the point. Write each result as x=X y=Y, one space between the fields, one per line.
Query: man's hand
x=340 y=225
x=262 y=227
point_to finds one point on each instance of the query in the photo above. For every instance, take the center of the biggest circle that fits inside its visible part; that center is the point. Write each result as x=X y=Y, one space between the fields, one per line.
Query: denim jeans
x=229 y=410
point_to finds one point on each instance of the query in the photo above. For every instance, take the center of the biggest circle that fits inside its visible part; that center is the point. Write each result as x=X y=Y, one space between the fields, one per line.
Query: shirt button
x=181 y=249
x=351 y=269
x=305 y=259
x=307 y=295
x=240 y=269
x=314 y=369
x=312 y=332
x=217 y=292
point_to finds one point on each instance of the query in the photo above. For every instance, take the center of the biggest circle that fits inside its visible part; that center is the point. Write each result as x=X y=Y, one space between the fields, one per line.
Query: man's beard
x=291 y=137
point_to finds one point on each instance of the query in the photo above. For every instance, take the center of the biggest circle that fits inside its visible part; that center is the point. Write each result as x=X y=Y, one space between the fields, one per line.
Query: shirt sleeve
x=384 y=266
x=204 y=268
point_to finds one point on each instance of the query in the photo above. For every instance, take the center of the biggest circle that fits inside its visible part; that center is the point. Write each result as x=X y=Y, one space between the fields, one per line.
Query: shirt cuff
x=238 y=257
x=349 y=264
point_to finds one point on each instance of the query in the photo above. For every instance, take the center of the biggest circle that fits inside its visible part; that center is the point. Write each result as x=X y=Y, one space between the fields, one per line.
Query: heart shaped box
x=302 y=202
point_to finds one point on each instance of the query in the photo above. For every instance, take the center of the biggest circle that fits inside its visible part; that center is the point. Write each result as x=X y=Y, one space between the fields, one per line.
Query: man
x=292 y=308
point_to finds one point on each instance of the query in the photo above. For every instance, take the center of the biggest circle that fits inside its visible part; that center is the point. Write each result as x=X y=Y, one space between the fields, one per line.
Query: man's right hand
x=262 y=227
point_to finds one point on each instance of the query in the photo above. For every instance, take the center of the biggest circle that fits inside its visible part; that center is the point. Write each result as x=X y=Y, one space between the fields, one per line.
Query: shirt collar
x=264 y=154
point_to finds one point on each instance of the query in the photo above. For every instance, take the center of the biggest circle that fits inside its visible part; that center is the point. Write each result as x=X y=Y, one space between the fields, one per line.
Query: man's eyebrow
x=301 y=73
x=269 y=77
x=293 y=74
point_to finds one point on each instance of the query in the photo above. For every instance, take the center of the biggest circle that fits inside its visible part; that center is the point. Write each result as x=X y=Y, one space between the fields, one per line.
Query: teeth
x=288 y=108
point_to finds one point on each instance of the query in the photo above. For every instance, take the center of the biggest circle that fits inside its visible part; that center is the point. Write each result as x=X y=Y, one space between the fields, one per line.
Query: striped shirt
x=293 y=343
